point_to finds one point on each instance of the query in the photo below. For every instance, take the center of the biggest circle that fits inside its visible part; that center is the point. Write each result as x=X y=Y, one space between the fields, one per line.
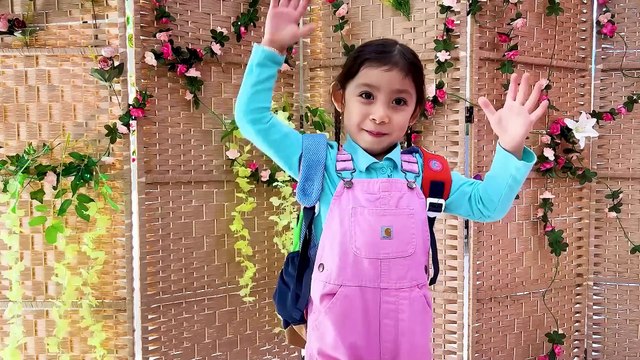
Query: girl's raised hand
x=281 y=28
x=521 y=110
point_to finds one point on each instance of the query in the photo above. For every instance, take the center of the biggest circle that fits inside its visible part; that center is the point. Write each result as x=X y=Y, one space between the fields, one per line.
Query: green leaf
x=64 y=207
x=85 y=199
x=38 y=220
x=51 y=234
x=81 y=211
x=555 y=337
x=77 y=156
x=37 y=195
x=60 y=193
x=41 y=208
x=635 y=249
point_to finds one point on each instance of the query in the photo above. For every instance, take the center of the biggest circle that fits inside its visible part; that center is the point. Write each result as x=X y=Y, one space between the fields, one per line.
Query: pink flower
x=200 y=53
x=163 y=36
x=540 y=213
x=546 y=165
x=243 y=32
x=450 y=23
x=511 y=55
x=50 y=179
x=543 y=357
x=216 y=48
x=554 y=128
x=503 y=38
x=253 y=166
x=189 y=95
x=622 y=110
x=519 y=24
x=122 y=129
x=264 y=175
x=441 y=94
x=558 y=350
x=285 y=67
x=181 y=69
x=561 y=122
x=136 y=112
x=4 y=22
x=193 y=73
x=165 y=21
x=545 y=139
x=440 y=37
x=561 y=160
x=167 y=52
x=294 y=186
x=294 y=51
x=139 y=97
x=233 y=154
x=543 y=98
x=607 y=117
x=549 y=153
x=331 y=1
x=548 y=228
x=414 y=137
x=150 y=59
x=609 y=29
x=105 y=63
x=602 y=2
x=428 y=107
x=604 y=18
x=431 y=90
x=611 y=214
x=344 y=9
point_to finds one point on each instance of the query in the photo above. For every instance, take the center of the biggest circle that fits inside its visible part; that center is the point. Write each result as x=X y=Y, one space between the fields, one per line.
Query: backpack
x=293 y=286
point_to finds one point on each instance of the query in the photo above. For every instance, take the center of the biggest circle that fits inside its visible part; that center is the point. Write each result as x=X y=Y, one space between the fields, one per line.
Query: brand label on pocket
x=386 y=233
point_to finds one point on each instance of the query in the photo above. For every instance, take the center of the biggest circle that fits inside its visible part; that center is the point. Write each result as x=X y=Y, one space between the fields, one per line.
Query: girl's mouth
x=375 y=133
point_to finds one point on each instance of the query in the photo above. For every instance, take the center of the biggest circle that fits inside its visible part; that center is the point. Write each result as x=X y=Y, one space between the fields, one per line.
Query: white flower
x=50 y=179
x=583 y=128
x=443 y=56
x=547 y=195
x=233 y=154
x=285 y=67
x=193 y=73
x=344 y=9
x=122 y=129
x=519 y=24
x=604 y=18
x=109 y=52
x=223 y=30
x=216 y=48
x=150 y=59
x=108 y=160
x=451 y=3
x=264 y=175
x=189 y=95
x=549 y=153
x=431 y=91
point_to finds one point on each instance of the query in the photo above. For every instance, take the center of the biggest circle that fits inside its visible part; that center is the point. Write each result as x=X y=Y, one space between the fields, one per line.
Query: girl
x=369 y=294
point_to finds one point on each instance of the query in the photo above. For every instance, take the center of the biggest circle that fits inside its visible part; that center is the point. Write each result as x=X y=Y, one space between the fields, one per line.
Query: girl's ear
x=415 y=116
x=337 y=96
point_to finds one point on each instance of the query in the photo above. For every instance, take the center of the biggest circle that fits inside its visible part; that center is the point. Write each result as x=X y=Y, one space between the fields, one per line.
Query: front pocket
x=324 y=297
x=383 y=233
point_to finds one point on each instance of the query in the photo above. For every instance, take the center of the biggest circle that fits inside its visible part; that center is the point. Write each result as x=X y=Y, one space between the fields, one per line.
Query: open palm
x=513 y=122
x=281 y=28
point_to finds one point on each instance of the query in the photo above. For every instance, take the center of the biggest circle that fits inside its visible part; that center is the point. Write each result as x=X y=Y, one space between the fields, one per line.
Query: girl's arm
x=490 y=199
x=253 y=115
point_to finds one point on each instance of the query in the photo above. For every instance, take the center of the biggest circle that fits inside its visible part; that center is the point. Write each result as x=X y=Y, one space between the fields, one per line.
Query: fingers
x=487 y=107
x=284 y=3
x=539 y=112
x=523 y=89
x=513 y=87
x=273 y=4
x=293 y=4
x=302 y=7
x=306 y=30
x=532 y=102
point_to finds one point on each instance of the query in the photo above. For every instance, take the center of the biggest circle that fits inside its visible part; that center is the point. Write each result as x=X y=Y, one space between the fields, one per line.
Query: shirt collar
x=362 y=159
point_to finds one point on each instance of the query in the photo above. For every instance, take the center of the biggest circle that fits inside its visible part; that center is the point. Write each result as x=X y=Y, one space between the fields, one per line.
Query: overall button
x=321 y=267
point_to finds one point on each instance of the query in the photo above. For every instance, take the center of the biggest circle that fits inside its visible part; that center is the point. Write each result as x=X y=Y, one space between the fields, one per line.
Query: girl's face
x=378 y=106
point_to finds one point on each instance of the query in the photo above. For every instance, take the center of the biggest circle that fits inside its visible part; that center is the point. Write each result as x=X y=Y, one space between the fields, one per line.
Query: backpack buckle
x=435 y=207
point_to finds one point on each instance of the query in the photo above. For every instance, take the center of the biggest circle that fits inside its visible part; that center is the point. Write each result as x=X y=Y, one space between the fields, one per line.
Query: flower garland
x=245 y=20
x=340 y=10
x=18 y=27
x=403 y=6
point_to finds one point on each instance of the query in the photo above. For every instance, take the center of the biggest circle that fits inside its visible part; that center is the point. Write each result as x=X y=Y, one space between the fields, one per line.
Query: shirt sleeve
x=490 y=199
x=253 y=115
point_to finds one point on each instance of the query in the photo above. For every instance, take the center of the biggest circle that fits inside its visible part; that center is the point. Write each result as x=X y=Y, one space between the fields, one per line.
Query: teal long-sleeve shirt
x=483 y=201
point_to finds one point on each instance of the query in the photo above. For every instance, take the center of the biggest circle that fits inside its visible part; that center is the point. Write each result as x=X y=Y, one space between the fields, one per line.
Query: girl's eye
x=366 y=95
x=399 y=102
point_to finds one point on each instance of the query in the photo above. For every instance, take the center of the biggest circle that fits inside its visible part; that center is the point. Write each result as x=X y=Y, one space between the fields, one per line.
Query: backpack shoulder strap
x=312 y=163
x=436 y=181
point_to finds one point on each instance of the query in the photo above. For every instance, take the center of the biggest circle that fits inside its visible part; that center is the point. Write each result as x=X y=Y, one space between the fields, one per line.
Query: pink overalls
x=369 y=295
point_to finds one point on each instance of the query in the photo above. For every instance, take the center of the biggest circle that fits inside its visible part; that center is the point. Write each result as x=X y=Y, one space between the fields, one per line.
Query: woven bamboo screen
x=46 y=92
x=613 y=323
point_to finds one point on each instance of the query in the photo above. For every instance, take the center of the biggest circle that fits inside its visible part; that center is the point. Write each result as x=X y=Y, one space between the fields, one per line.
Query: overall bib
x=369 y=294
